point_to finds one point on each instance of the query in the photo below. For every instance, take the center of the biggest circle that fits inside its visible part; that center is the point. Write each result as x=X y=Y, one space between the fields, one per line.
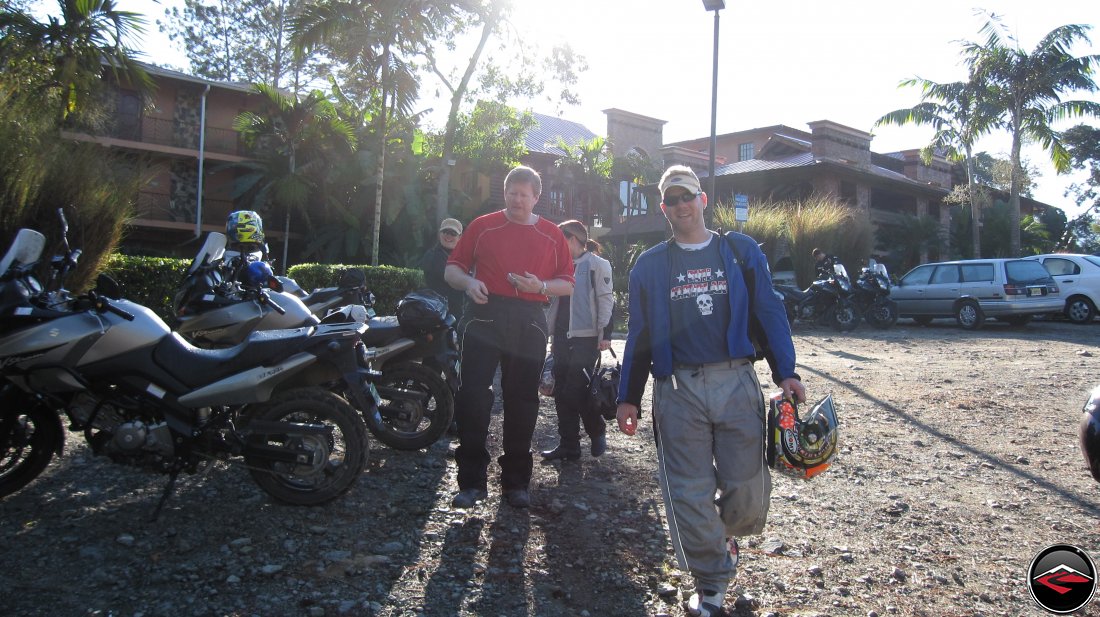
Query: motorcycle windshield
x=839 y=270
x=26 y=248
x=212 y=250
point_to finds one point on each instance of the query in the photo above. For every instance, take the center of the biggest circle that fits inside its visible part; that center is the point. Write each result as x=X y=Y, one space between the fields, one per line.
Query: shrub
x=149 y=281
x=388 y=283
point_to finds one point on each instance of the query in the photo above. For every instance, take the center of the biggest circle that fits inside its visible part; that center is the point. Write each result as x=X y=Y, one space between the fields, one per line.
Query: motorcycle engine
x=120 y=433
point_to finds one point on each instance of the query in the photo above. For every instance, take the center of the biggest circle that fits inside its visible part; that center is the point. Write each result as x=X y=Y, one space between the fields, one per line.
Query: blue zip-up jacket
x=648 y=342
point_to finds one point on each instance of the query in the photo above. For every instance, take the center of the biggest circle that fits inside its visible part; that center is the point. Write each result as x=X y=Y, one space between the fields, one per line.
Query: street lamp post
x=713 y=5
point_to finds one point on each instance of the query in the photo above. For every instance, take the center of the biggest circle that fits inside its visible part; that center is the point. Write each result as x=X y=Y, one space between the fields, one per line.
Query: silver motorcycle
x=143 y=396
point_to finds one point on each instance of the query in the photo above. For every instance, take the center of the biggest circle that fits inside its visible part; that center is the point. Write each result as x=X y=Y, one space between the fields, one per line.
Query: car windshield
x=1026 y=272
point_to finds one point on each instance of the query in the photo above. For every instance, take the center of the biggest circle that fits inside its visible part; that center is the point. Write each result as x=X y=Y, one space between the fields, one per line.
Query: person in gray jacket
x=580 y=327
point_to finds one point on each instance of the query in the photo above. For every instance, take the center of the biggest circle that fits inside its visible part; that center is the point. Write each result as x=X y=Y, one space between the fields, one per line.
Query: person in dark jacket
x=689 y=318
x=434 y=262
x=823 y=265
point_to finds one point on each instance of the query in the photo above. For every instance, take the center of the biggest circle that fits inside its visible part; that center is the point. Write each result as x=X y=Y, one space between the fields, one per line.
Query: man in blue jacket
x=690 y=310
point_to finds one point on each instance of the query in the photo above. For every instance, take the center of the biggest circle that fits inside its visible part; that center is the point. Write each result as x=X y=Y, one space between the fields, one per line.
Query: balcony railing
x=178 y=135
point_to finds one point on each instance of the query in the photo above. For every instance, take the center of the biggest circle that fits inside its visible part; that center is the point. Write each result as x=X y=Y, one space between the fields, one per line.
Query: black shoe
x=468 y=498
x=560 y=453
x=599 y=445
x=518 y=498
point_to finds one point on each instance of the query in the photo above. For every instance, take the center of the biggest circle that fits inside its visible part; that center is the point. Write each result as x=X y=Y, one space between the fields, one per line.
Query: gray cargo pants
x=709 y=423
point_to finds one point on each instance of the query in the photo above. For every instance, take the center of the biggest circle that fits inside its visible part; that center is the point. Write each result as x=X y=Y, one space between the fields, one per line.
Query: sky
x=780 y=62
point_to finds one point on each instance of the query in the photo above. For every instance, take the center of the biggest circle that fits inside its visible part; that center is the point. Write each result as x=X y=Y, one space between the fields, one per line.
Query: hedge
x=153 y=281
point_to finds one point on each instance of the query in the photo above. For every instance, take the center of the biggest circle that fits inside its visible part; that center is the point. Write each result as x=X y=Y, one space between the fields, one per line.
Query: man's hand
x=527 y=282
x=793 y=389
x=627 y=415
x=605 y=345
x=477 y=291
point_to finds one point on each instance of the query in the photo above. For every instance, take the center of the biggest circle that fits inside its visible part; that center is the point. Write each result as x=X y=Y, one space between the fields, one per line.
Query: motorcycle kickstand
x=168 y=490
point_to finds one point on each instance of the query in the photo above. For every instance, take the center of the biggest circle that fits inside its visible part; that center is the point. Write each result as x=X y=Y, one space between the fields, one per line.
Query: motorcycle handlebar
x=273 y=304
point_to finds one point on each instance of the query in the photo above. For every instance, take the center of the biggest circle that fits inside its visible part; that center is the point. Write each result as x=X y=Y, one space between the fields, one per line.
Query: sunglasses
x=449 y=232
x=682 y=198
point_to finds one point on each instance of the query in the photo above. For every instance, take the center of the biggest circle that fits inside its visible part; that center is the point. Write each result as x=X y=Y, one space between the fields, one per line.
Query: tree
x=1028 y=88
x=587 y=167
x=75 y=46
x=296 y=140
x=959 y=113
x=1083 y=144
x=376 y=40
x=243 y=40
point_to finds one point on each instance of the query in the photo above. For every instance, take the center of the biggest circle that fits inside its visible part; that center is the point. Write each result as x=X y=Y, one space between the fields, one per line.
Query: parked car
x=784 y=272
x=1078 y=277
x=1011 y=290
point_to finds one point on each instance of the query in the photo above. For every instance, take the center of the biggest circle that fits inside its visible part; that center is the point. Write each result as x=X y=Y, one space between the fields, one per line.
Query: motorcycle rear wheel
x=408 y=424
x=339 y=460
x=30 y=438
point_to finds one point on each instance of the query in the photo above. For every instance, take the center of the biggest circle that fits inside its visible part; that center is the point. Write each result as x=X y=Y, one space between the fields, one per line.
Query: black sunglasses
x=683 y=198
x=449 y=232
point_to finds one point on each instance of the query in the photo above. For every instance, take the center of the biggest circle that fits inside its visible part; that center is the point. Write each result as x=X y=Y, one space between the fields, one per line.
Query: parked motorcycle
x=872 y=296
x=144 y=397
x=417 y=404
x=825 y=301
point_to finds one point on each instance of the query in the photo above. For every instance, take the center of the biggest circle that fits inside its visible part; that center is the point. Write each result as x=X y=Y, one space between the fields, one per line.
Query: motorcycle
x=872 y=296
x=144 y=397
x=825 y=301
x=417 y=405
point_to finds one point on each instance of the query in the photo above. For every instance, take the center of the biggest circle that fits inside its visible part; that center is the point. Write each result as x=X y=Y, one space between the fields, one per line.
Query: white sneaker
x=706 y=604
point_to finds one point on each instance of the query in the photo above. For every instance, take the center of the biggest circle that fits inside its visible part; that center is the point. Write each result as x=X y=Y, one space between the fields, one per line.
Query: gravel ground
x=959 y=461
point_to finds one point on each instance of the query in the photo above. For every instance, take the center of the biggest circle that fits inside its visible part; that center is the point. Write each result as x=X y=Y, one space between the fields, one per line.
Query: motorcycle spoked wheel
x=408 y=424
x=338 y=462
x=882 y=315
x=843 y=317
x=27 y=445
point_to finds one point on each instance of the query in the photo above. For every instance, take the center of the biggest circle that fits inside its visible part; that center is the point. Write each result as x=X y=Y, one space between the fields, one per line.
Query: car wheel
x=969 y=315
x=922 y=320
x=1080 y=310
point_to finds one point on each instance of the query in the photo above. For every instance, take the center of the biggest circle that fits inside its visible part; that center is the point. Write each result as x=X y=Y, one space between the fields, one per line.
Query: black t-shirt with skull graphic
x=700 y=306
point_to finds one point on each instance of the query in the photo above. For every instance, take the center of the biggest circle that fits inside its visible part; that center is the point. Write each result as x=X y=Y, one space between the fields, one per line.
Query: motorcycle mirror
x=107 y=286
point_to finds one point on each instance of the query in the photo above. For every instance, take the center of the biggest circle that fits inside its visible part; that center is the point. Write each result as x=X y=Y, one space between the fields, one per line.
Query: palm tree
x=76 y=45
x=1028 y=88
x=588 y=166
x=960 y=114
x=295 y=141
x=377 y=40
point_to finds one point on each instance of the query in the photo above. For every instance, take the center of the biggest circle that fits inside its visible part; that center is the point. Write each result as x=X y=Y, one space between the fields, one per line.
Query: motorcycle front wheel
x=882 y=315
x=843 y=316
x=28 y=439
x=328 y=465
x=417 y=406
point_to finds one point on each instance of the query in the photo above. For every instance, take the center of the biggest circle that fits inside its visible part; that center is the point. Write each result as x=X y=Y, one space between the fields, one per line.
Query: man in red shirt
x=507 y=263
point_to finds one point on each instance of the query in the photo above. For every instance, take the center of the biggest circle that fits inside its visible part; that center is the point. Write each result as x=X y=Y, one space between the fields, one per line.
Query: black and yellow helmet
x=244 y=227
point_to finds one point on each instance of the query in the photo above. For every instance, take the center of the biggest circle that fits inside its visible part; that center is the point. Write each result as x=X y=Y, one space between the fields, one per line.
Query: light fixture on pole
x=713 y=5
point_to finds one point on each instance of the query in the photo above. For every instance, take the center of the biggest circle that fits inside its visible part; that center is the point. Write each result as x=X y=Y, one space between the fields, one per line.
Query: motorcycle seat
x=793 y=292
x=382 y=331
x=196 y=367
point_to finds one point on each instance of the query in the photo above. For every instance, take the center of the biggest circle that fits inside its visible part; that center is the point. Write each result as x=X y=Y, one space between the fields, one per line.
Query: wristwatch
x=543 y=290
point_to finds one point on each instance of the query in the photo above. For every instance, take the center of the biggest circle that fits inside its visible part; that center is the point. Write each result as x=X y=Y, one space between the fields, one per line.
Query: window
x=1059 y=266
x=632 y=199
x=555 y=202
x=946 y=274
x=919 y=276
x=746 y=152
x=977 y=273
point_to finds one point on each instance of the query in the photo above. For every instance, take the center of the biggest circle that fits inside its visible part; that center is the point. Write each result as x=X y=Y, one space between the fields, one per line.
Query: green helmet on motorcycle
x=244 y=227
x=802 y=447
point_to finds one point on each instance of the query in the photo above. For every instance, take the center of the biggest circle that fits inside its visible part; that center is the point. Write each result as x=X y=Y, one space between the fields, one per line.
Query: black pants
x=511 y=334
x=574 y=360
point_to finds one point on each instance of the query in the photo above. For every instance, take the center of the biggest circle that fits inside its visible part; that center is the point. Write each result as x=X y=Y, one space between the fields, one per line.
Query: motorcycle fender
x=252 y=386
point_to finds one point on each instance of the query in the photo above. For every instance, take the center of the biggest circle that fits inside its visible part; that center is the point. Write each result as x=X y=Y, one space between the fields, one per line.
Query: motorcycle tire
x=409 y=424
x=882 y=315
x=843 y=317
x=27 y=445
x=343 y=456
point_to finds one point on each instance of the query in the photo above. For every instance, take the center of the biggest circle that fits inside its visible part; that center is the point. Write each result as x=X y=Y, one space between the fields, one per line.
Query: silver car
x=1011 y=290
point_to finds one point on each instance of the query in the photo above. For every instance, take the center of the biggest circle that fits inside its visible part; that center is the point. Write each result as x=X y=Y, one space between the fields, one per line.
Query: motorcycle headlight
x=844 y=284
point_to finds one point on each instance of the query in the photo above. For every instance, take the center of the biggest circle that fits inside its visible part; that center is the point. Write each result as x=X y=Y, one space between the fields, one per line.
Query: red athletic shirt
x=492 y=246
